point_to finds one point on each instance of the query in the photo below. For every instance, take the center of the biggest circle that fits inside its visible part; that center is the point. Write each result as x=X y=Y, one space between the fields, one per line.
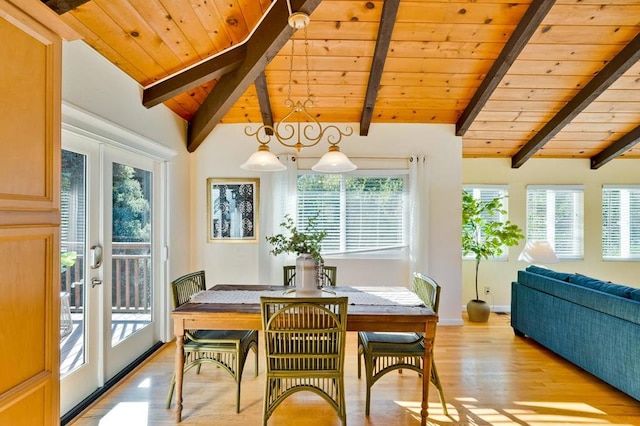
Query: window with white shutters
x=556 y=214
x=620 y=222
x=360 y=212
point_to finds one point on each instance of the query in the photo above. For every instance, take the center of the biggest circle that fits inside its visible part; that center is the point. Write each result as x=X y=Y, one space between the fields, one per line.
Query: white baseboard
x=450 y=321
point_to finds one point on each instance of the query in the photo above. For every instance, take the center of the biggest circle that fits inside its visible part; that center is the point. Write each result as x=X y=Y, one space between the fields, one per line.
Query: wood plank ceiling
x=519 y=78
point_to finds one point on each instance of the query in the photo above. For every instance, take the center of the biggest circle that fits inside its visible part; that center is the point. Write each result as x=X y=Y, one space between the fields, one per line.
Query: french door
x=110 y=262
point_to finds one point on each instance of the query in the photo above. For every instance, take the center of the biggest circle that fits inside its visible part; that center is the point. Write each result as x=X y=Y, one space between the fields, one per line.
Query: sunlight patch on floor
x=531 y=413
x=435 y=410
x=146 y=383
x=579 y=407
x=127 y=413
x=538 y=418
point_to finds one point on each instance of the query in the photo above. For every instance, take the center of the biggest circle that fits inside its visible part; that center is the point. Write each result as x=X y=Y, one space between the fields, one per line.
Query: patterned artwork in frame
x=232 y=209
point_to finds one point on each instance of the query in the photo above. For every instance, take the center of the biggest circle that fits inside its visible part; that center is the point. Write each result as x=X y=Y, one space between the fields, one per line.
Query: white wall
x=499 y=274
x=93 y=85
x=227 y=147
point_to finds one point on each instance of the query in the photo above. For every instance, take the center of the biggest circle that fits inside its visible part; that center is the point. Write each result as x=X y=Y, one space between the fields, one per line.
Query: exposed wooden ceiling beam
x=270 y=36
x=193 y=77
x=609 y=74
x=618 y=147
x=265 y=103
x=532 y=18
x=62 y=6
x=387 y=22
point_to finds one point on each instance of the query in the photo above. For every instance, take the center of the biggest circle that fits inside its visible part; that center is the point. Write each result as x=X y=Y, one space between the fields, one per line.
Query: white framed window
x=621 y=222
x=486 y=193
x=362 y=212
x=555 y=213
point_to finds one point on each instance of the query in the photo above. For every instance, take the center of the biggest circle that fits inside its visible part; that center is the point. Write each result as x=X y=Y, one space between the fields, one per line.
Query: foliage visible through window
x=555 y=214
x=486 y=193
x=620 y=222
x=359 y=213
x=131 y=208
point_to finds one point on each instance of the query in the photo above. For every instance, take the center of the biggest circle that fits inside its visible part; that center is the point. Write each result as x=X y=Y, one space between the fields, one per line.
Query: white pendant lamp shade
x=334 y=162
x=539 y=252
x=263 y=161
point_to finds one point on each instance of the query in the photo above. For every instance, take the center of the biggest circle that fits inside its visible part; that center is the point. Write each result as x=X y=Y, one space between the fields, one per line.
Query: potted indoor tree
x=484 y=238
x=306 y=245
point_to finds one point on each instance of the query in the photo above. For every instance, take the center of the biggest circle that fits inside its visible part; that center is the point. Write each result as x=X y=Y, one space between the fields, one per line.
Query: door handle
x=96 y=256
x=95 y=282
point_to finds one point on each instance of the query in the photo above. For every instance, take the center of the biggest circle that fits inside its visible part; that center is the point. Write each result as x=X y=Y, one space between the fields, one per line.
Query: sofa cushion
x=624 y=308
x=611 y=288
x=635 y=294
x=562 y=276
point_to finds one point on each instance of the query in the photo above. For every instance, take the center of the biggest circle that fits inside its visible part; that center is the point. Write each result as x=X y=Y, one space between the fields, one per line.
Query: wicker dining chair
x=227 y=349
x=385 y=352
x=330 y=274
x=304 y=347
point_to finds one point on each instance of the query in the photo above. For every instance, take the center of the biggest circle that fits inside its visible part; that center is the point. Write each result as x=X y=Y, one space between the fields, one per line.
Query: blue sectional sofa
x=592 y=323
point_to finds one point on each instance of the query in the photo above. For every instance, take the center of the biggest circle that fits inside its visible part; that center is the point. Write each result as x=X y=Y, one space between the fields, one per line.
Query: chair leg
x=435 y=379
x=367 y=403
x=360 y=354
x=237 y=375
x=238 y=397
x=368 y=370
x=343 y=404
x=266 y=401
x=255 y=351
x=171 y=388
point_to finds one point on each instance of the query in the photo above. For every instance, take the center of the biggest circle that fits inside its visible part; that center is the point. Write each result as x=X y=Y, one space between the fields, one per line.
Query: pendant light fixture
x=299 y=128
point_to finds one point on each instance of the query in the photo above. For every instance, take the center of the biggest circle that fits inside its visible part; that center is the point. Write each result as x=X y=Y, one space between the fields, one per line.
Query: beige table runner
x=381 y=296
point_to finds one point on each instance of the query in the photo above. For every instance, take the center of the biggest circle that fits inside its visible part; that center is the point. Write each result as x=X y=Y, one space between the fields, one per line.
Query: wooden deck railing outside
x=131 y=272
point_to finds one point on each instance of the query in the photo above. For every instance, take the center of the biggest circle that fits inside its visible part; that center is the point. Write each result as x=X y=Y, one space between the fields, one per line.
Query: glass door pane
x=131 y=278
x=72 y=256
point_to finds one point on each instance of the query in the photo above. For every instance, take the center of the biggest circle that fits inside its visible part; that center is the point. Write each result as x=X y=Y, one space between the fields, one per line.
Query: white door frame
x=88 y=134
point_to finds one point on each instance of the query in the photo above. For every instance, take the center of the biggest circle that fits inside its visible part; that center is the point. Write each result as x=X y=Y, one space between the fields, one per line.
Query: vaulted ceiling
x=519 y=79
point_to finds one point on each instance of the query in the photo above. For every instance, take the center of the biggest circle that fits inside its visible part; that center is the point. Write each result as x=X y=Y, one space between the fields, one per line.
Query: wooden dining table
x=385 y=316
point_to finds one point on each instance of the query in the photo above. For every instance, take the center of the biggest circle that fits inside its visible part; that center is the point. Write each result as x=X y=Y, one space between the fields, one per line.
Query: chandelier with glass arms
x=299 y=128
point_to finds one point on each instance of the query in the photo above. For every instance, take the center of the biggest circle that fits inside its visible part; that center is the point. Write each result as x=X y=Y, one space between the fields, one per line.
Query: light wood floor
x=490 y=377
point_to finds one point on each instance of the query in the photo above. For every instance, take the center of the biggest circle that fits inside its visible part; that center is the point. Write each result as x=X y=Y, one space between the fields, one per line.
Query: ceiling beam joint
x=265 y=43
x=620 y=64
x=63 y=6
x=620 y=146
x=204 y=72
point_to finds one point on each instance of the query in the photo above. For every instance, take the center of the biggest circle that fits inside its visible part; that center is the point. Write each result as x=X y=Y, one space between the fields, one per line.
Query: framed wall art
x=232 y=209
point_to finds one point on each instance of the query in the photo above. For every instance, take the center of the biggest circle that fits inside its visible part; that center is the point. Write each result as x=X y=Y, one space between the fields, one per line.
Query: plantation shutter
x=374 y=215
x=319 y=197
x=359 y=213
x=620 y=222
x=556 y=214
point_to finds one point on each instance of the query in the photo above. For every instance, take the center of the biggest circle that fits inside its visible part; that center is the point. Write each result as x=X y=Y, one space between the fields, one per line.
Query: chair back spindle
x=304 y=348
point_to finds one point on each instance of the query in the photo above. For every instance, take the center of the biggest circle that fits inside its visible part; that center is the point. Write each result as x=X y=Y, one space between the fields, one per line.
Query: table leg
x=426 y=378
x=179 y=370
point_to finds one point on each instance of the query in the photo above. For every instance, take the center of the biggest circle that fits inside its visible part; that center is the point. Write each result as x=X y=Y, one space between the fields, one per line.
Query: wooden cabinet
x=30 y=103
